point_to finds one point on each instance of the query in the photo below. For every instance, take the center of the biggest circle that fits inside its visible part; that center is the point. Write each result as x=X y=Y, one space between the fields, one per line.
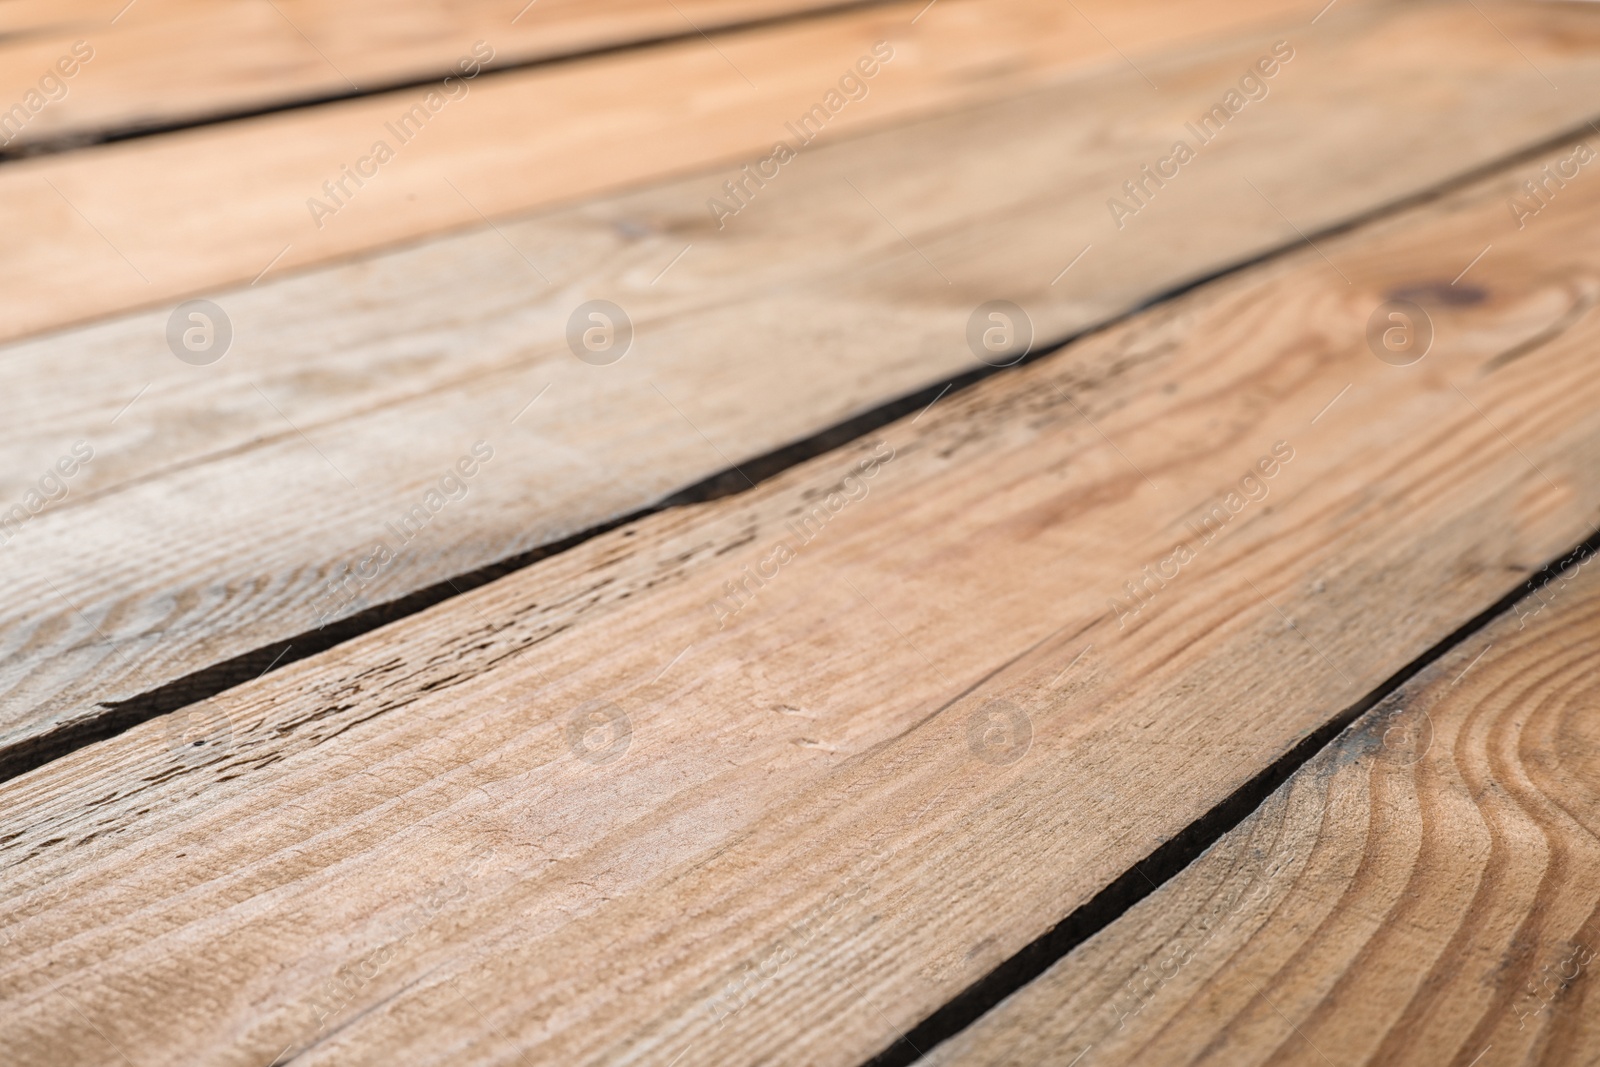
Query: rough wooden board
x=1422 y=892
x=145 y=222
x=362 y=373
x=813 y=783
x=170 y=62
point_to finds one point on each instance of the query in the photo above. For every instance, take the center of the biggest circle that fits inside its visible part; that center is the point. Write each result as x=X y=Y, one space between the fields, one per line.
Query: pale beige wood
x=159 y=63
x=142 y=223
x=1421 y=892
x=396 y=850
x=166 y=62
x=385 y=372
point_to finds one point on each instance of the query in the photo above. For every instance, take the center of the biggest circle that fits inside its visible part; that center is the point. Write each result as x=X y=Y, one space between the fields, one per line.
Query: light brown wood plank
x=163 y=63
x=143 y=223
x=361 y=373
x=169 y=62
x=1421 y=892
x=398 y=849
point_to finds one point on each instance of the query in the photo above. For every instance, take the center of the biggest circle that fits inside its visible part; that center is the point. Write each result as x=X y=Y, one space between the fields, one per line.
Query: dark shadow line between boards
x=131 y=131
x=1178 y=852
x=122 y=715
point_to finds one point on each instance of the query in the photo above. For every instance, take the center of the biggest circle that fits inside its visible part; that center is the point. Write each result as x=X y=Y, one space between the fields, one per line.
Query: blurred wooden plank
x=144 y=222
x=1421 y=892
x=585 y=815
x=350 y=393
x=163 y=63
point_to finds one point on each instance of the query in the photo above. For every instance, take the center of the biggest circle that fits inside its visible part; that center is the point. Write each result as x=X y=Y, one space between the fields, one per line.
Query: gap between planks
x=619 y=42
x=196 y=211
x=1431 y=865
x=1179 y=852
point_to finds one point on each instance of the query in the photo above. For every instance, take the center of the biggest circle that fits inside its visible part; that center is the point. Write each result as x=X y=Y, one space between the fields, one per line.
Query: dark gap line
x=122 y=715
x=70 y=142
x=1178 y=852
x=119 y=716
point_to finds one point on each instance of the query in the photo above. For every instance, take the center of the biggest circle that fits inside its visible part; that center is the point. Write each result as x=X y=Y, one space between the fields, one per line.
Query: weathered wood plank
x=1421 y=892
x=351 y=393
x=163 y=63
x=143 y=223
x=582 y=815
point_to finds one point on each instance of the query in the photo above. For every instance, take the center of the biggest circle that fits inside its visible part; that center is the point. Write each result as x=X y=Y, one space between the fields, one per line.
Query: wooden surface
x=164 y=63
x=423 y=845
x=1422 y=892
x=788 y=691
x=350 y=392
x=144 y=222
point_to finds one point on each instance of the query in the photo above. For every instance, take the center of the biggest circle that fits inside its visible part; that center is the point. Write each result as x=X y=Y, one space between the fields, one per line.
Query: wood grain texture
x=1421 y=892
x=386 y=371
x=162 y=63
x=144 y=222
x=802 y=828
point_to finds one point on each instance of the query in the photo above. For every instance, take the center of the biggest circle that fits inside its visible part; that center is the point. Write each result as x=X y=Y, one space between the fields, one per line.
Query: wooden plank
x=144 y=223
x=164 y=63
x=568 y=816
x=360 y=374
x=161 y=63
x=1421 y=892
